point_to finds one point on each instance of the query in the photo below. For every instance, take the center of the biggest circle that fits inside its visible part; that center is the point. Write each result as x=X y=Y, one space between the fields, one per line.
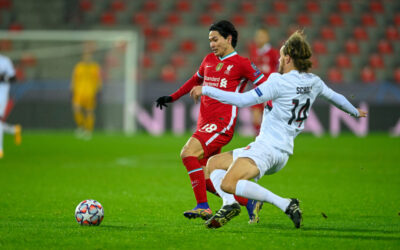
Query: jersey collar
x=294 y=71
x=227 y=56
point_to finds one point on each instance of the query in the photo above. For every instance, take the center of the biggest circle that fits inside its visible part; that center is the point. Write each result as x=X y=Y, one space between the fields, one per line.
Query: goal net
x=45 y=60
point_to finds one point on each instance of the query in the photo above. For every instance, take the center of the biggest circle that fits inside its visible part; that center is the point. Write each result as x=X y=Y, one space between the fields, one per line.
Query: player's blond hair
x=299 y=50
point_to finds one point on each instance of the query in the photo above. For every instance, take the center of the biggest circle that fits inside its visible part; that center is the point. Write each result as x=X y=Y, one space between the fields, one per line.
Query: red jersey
x=266 y=58
x=229 y=73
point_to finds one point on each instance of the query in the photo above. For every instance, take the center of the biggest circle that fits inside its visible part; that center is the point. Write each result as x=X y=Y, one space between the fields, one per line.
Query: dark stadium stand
x=362 y=36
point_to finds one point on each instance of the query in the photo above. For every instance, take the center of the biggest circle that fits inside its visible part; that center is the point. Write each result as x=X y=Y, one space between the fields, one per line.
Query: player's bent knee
x=212 y=164
x=228 y=186
x=184 y=152
x=190 y=150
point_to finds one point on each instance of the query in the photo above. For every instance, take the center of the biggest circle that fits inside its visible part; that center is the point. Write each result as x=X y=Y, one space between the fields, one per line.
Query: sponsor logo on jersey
x=256 y=70
x=219 y=66
x=228 y=69
x=211 y=81
x=223 y=83
x=258 y=91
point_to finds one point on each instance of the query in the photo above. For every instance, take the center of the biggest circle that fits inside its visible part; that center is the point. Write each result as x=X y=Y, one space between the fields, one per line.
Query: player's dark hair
x=299 y=50
x=225 y=28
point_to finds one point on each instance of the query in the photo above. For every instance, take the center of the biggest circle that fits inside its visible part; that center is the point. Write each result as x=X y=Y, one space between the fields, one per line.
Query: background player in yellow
x=86 y=83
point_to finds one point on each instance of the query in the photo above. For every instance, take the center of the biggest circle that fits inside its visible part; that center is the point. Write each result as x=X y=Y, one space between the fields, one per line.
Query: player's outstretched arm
x=195 y=80
x=342 y=103
x=238 y=99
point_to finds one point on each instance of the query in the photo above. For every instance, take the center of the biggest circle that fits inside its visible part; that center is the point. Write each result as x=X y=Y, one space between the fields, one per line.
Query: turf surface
x=140 y=181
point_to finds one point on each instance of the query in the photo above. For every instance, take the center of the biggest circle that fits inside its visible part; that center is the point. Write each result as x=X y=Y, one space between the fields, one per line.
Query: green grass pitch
x=144 y=189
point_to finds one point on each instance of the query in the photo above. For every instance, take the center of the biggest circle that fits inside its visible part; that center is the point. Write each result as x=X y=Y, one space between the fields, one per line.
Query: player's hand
x=362 y=113
x=161 y=101
x=196 y=92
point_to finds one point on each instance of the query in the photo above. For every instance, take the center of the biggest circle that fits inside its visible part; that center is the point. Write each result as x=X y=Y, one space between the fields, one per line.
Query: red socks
x=242 y=201
x=197 y=179
x=199 y=183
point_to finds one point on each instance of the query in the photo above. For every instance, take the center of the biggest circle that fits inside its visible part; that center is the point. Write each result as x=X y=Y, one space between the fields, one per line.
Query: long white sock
x=1 y=135
x=8 y=129
x=254 y=191
x=216 y=178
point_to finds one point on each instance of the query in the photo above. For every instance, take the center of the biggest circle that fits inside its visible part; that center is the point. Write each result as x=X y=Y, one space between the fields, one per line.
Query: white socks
x=216 y=178
x=254 y=191
x=247 y=189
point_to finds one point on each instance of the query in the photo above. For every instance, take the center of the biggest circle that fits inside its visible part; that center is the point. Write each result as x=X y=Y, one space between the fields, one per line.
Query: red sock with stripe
x=197 y=179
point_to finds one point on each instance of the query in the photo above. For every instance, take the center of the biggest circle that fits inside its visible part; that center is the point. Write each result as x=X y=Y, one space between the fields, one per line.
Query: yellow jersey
x=86 y=78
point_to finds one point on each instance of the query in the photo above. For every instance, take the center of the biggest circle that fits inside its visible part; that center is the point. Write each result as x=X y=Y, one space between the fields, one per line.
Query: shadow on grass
x=353 y=237
x=352 y=230
x=127 y=228
x=318 y=232
x=112 y=227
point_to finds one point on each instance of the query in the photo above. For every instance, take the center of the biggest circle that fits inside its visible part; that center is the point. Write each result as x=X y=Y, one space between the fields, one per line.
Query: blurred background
x=149 y=48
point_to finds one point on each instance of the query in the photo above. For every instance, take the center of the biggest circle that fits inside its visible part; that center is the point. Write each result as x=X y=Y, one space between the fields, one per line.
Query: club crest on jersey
x=219 y=66
x=228 y=69
x=223 y=83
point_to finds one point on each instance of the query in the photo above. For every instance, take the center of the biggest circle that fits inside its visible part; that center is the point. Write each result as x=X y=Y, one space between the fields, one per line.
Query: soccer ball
x=89 y=213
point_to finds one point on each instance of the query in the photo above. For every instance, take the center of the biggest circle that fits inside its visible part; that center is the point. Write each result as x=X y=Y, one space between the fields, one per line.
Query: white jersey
x=292 y=95
x=7 y=71
x=6 y=68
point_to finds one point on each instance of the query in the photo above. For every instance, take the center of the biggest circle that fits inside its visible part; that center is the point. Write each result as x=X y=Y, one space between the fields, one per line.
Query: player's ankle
x=203 y=205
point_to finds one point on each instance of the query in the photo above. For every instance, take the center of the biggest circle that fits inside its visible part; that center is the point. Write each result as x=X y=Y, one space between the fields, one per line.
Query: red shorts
x=212 y=139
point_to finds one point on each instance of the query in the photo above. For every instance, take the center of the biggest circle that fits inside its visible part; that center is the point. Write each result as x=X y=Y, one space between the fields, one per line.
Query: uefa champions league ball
x=89 y=213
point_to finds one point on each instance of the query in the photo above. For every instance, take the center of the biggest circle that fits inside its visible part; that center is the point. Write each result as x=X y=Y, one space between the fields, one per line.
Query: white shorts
x=4 y=90
x=268 y=159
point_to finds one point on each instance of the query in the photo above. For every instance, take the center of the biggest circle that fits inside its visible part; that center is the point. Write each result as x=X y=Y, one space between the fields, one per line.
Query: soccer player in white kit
x=292 y=91
x=7 y=76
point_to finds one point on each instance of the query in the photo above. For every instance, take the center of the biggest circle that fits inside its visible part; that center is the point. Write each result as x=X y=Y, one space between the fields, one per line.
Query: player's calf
x=228 y=185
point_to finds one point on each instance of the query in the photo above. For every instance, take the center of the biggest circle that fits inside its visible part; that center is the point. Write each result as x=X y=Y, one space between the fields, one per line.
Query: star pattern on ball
x=86 y=216
x=89 y=215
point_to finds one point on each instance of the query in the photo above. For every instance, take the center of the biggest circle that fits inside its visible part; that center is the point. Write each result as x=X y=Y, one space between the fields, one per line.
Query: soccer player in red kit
x=226 y=70
x=266 y=58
